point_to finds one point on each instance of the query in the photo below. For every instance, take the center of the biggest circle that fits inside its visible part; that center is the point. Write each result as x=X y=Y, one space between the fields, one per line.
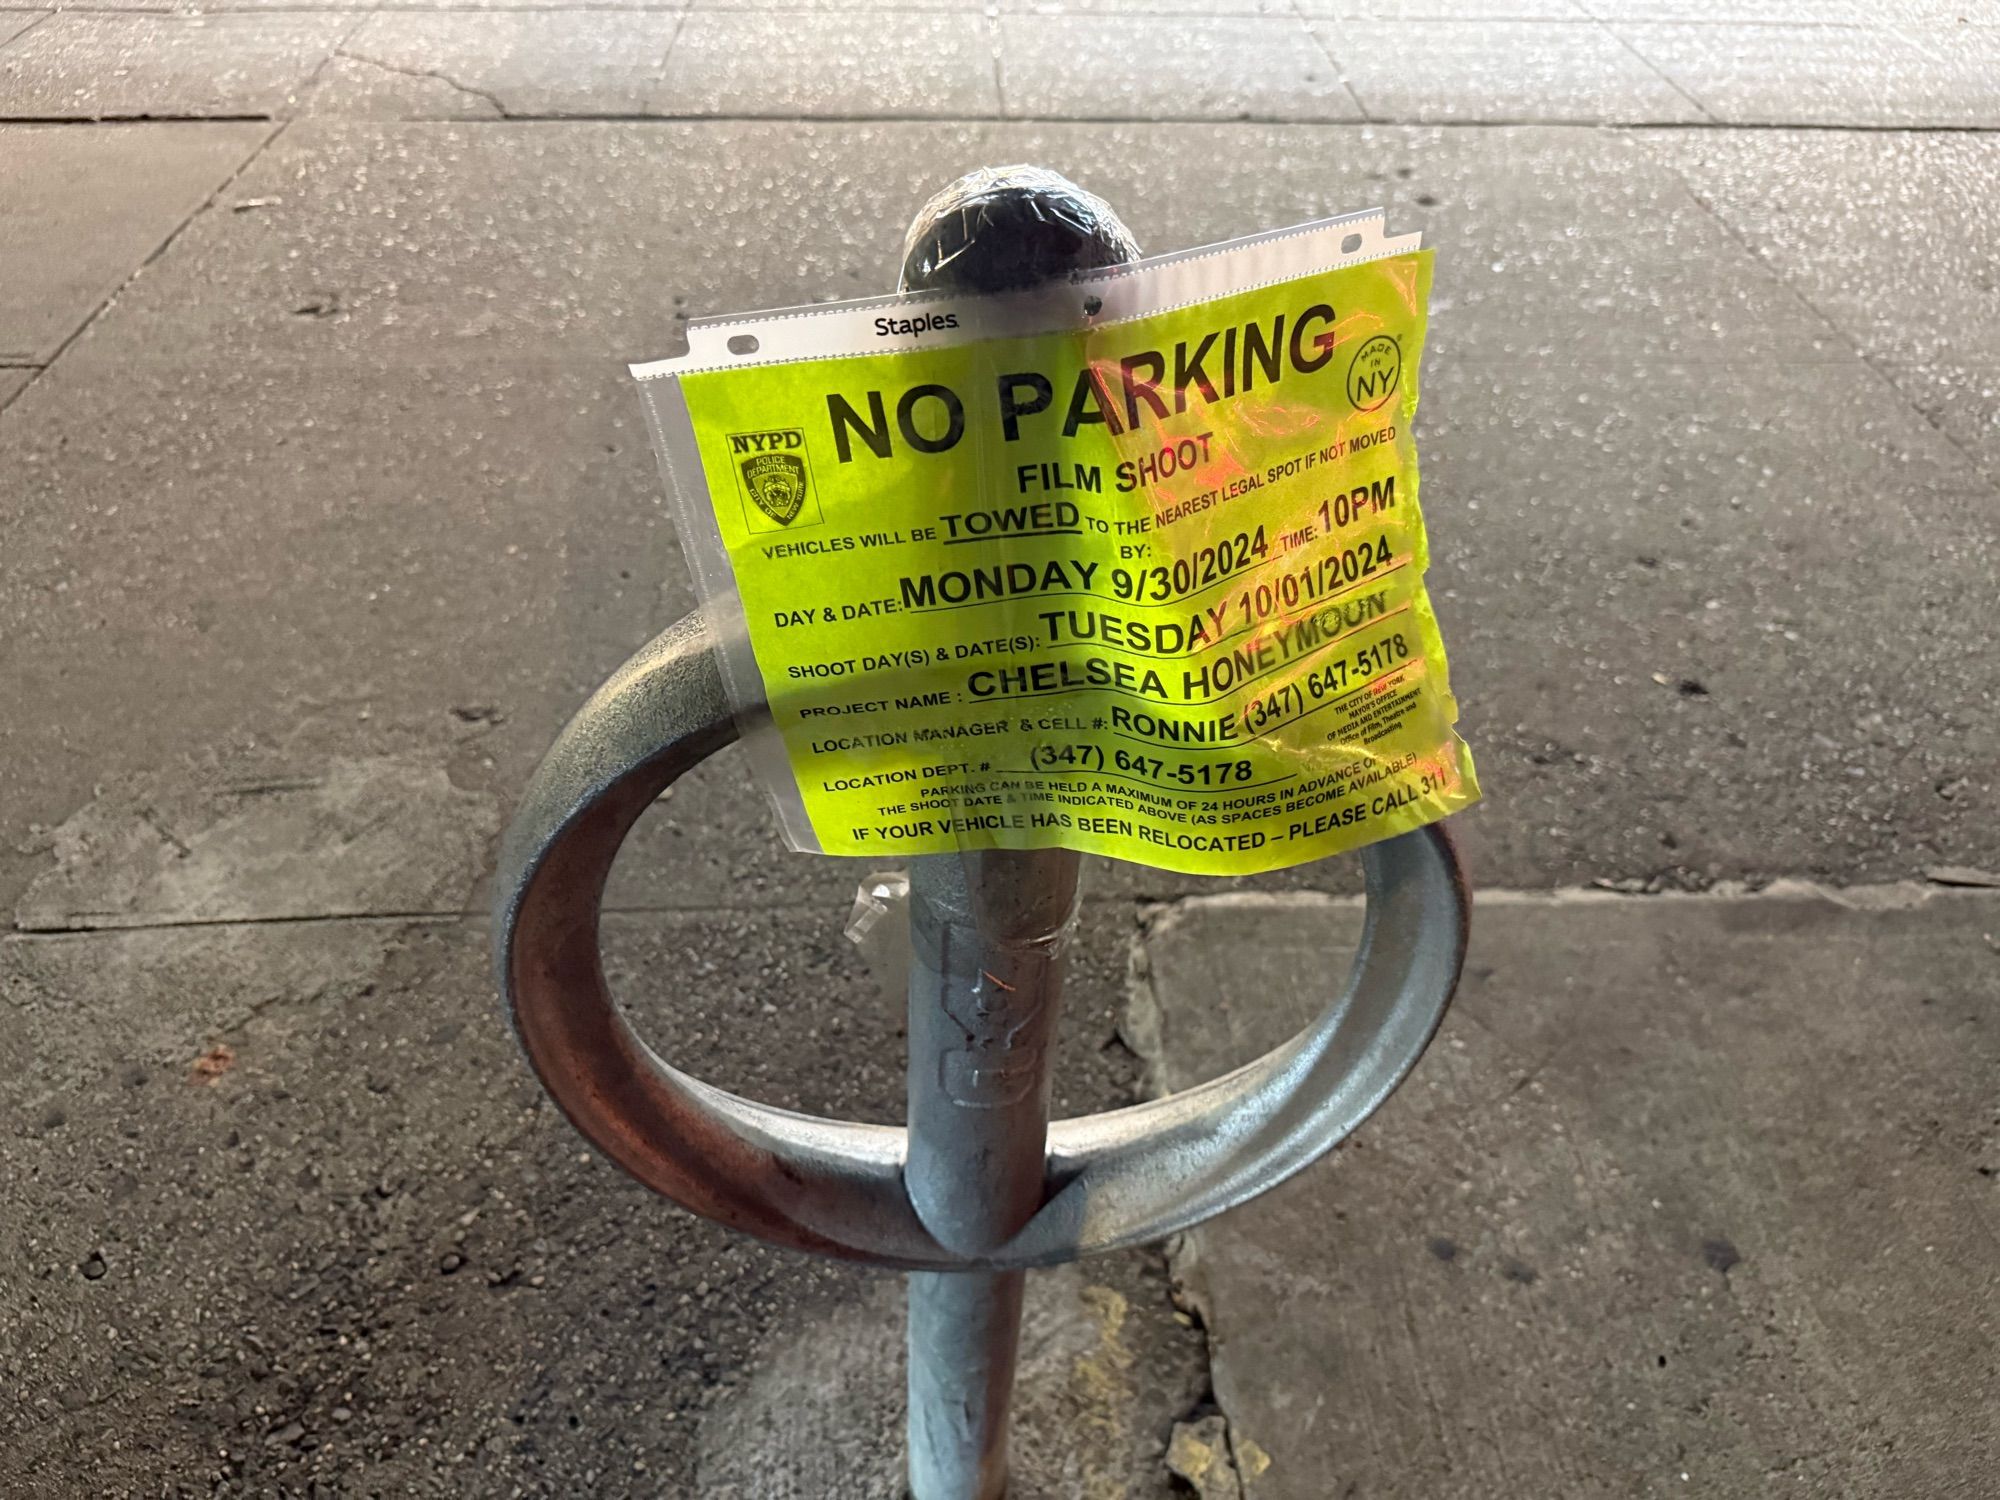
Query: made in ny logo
x=776 y=476
x=1375 y=373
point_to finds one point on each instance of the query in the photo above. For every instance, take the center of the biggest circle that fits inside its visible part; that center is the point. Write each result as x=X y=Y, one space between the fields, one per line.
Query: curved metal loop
x=836 y=1186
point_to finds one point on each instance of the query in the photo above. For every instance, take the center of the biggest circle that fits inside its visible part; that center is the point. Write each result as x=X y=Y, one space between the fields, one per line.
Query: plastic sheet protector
x=1131 y=563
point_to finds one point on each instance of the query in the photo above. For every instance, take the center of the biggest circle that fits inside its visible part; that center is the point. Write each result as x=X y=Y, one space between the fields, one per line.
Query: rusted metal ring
x=836 y=1186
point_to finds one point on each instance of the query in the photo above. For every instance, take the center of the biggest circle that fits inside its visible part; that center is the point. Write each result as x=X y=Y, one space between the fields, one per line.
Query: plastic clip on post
x=981 y=1187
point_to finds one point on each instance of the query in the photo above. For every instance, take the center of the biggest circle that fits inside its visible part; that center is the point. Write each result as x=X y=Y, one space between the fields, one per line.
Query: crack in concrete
x=1207 y=1451
x=1203 y=1450
x=498 y=105
x=152 y=820
x=1141 y=1025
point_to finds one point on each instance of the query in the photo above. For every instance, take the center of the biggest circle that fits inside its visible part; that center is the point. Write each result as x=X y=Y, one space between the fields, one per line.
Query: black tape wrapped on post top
x=1003 y=228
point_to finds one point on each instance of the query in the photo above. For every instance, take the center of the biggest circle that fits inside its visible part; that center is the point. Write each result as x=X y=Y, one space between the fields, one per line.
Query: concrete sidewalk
x=1911 y=64
x=324 y=499
x=1692 y=1196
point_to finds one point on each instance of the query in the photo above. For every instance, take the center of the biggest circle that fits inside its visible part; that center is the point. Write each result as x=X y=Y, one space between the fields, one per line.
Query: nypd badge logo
x=776 y=478
x=777 y=483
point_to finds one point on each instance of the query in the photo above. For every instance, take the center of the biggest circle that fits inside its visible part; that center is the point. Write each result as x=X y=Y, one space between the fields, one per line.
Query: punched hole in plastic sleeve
x=1130 y=563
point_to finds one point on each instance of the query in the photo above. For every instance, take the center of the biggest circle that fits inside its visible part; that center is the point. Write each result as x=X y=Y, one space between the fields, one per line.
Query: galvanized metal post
x=987 y=930
x=986 y=971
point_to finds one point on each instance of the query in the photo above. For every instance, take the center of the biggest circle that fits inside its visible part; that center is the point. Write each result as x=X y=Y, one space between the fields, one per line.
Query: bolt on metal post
x=987 y=930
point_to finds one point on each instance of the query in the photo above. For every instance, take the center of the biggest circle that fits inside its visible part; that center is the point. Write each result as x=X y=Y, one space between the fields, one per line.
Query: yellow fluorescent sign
x=1150 y=588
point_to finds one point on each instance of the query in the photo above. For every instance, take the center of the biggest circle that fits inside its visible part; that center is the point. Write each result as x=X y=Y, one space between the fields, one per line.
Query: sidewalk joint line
x=1863 y=356
x=40 y=20
x=141 y=117
x=1900 y=895
x=112 y=924
x=993 y=45
x=158 y=250
x=1289 y=122
x=1661 y=73
x=1326 y=51
x=680 y=25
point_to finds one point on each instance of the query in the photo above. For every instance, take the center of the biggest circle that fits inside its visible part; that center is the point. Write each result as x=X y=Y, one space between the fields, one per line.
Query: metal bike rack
x=981 y=1187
